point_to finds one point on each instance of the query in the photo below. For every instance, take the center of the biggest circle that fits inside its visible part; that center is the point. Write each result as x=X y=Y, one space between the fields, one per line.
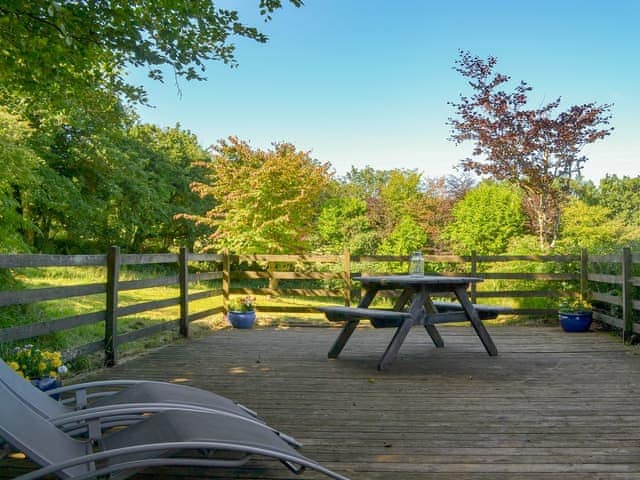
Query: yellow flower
x=34 y=363
x=19 y=372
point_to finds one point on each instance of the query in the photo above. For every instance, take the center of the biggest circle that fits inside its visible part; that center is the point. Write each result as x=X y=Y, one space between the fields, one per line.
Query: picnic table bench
x=414 y=306
x=386 y=317
x=485 y=312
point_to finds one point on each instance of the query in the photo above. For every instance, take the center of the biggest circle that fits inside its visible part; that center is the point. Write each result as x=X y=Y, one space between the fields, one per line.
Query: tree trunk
x=541 y=229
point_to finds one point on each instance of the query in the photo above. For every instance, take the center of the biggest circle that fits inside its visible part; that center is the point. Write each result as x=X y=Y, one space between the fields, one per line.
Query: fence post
x=627 y=300
x=226 y=280
x=584 y=274
x=111 y=314
x=474 y=272
x=183 y=276
x=347 y=278
x=273 y=281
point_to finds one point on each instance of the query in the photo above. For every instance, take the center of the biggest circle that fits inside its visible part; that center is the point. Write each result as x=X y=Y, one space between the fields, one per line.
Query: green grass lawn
x=34 y=278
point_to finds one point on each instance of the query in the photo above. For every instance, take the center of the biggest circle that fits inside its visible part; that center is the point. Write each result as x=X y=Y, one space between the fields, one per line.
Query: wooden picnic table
x=414 y=306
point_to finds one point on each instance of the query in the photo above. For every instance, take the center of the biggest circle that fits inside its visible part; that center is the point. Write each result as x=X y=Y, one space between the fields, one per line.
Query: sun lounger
x=172 y=437
x=121 y=402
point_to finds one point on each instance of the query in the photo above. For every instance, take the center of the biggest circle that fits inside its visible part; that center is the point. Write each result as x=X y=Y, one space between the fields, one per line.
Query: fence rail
x=614 y=292
x=314 y=277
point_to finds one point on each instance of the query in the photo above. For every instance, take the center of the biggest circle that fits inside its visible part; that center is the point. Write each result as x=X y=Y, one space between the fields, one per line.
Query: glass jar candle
x=416 y=264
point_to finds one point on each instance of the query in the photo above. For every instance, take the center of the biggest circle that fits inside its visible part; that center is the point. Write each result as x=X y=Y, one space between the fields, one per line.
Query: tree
x=266 y=201
x=486 y=219
x=529 y=147
x=51 y=48
x=80 y=175
x=592 y=227
x=365 y=183
x=123 y=186
x=391 y=195
x=407 y=237
x=434 y=211
x=343 y=224
x=18 y=164
x=622 y=196
x=174 y=158
x=402 y=191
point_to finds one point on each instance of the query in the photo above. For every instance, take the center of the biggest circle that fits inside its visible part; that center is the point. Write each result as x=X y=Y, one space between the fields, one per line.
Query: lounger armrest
x=77 y=394
x=81 y=394
x=111 y=416
x=98 y=384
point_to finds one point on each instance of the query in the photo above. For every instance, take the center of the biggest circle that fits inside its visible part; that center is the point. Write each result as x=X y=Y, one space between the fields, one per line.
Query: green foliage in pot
x=243 y=304
x=574 y=306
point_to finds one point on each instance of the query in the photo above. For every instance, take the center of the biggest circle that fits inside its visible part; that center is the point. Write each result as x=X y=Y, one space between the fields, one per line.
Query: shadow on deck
x=551 y=405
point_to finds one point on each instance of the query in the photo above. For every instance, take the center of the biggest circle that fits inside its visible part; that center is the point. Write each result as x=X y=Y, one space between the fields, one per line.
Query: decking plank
x=551 y=405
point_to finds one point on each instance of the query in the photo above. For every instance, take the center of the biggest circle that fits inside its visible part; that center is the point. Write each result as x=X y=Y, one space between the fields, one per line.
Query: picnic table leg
x=435 y=335
x=342 y=339
x=402 y=301
x=394 y=347
x=472 y=315
x=351 y=325
x=417 y=301
x=431 y=329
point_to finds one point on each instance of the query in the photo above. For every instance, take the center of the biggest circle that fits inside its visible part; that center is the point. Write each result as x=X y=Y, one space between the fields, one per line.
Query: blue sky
x=366 y=82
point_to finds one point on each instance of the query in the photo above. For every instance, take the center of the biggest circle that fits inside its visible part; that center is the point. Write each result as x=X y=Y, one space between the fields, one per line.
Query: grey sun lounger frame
x=122 y=402
x=153 y=441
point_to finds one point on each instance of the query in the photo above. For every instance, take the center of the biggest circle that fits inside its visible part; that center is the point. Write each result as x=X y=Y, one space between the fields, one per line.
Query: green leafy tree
x=80 y=175
x=265 y=201
x=394 y=194
x=61 y=47
x=78 y=186
x=343 y=224
x=592 y=227
x=174 y=156
x=120 y=187
x=622 y=196
x=18 y=164
x=407 y=237
x=487 y=219
x=402 y=192
x=365 y=183
x=390 y=195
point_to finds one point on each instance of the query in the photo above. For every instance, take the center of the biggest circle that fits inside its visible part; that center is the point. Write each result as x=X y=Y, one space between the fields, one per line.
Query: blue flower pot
x=241 y=319
x=575 y=322
x=47 y=383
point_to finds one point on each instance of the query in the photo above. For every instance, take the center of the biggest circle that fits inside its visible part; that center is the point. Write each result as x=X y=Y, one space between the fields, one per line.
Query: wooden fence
x=113 y=261
x=614 y=289
x=342 y=268
x=326 y=278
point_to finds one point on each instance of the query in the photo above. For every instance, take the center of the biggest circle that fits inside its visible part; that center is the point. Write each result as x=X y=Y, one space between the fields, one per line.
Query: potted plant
x=242 y=312
x=42 y=368
x=575 y=316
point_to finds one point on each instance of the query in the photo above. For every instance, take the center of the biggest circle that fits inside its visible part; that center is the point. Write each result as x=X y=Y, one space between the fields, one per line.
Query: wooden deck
x=551 y=405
